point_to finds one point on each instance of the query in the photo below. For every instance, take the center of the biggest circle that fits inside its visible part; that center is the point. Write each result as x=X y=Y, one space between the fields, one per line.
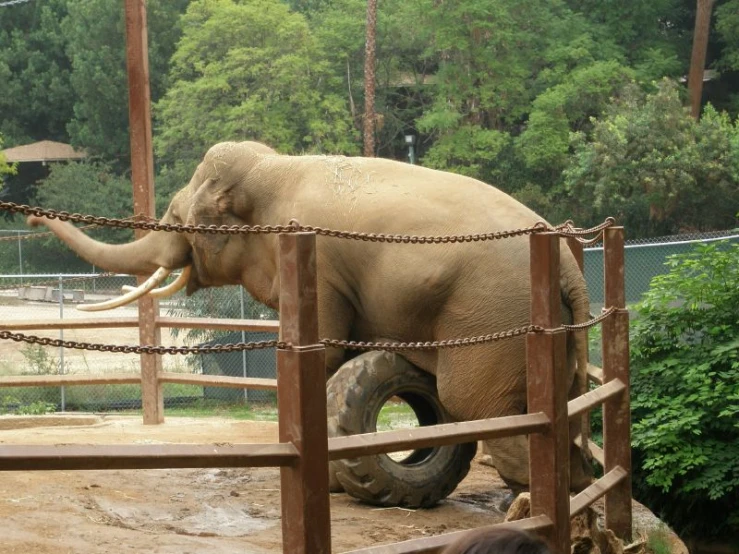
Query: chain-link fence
x=40 y=297
x=44 y=297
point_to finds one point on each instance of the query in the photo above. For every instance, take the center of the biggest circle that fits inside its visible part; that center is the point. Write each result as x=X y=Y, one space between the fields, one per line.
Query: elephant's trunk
x=140 y=257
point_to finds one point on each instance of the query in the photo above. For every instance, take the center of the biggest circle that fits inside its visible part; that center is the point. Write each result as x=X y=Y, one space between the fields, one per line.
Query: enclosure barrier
x=304 y=448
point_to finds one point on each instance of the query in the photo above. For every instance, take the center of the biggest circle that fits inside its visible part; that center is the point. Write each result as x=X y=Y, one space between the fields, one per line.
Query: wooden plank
x=595 y=374
x=595 y=450
x=219 y=381
x=596 y=490
x=143 y=456
x=547 y=386
x=617 y=410
x=594 y=398
x=435 y=544
x=58 y=380
x=269 y=326
x=85 y=323
x=301 y=399
x=367 y=444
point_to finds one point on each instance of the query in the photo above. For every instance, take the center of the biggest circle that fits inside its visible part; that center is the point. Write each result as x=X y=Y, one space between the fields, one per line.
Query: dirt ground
x=193 y=511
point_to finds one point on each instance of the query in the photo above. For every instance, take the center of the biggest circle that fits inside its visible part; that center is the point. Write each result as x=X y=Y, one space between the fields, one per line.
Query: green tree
x=104 y=194
x=94 y=33
x=5 y=168
x=652 y=166
x=249 y=71
x=685 y=392
x=35 y=95
x=513 y=80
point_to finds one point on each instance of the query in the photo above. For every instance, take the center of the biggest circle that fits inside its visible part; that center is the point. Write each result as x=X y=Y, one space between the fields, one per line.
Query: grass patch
x=396 y=415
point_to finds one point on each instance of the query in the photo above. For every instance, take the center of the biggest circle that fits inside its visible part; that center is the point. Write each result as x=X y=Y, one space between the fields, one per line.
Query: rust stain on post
x=549 y=466
x=142 y=176
x=301 y=397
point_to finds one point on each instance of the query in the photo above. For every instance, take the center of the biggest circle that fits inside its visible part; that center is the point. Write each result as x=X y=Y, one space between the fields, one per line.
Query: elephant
x=369 y=291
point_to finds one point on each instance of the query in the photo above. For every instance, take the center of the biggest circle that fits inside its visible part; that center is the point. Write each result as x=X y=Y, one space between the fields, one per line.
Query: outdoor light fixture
x=410 y=140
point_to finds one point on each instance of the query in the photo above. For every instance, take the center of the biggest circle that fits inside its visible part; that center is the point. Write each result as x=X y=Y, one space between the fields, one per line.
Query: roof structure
x=43 y=151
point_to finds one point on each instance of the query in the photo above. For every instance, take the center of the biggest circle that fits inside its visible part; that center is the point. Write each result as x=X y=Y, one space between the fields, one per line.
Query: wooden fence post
x=301 y=397
x=616 y=411
x=549 y=466
x=142 y=176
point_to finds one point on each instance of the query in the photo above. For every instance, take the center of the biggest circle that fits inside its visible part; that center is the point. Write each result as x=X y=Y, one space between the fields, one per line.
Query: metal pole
x=243 y=339
x=20 y=255
x=61 y=337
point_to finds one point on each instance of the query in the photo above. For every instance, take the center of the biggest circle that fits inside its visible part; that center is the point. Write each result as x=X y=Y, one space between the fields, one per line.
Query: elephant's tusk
x=151 y=283
x=168 y=290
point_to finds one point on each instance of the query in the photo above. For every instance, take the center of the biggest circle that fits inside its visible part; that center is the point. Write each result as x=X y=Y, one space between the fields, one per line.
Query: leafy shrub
x=685 y=392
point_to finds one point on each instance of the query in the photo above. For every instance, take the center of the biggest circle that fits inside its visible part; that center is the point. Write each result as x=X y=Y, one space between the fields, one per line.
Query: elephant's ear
x=211 y=205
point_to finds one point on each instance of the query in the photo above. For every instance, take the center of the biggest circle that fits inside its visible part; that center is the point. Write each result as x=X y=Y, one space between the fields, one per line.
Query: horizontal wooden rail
x=219 y=381
x=144 y=456
x=596 y=490
x=82 y=323
x=436 y=543
x=594 y=398
x=437 y=435
x=595 y=450
x=59 y=380
x=595 y=374
x=269 y=326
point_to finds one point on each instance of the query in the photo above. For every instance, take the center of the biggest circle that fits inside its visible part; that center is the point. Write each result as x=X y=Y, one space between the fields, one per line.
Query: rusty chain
x=565 y=229
x=124 y=349
x=591 y=322
x=333 y=343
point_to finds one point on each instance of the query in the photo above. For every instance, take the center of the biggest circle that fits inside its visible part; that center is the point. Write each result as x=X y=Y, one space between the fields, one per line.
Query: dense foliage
x=685 y=392
x=656 y=169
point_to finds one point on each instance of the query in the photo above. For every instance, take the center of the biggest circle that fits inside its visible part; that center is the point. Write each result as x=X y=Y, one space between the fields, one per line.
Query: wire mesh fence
x=43 y=297
x=48 y=297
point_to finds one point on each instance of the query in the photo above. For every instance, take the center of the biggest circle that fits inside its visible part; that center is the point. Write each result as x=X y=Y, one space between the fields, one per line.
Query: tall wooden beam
x=546 y=352
x=301 y=398
x=142 y=176
x=616 y=411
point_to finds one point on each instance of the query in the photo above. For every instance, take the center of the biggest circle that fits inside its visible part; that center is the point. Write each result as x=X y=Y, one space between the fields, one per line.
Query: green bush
x=685 y=392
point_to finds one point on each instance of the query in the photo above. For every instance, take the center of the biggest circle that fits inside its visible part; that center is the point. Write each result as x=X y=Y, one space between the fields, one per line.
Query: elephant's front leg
x=335 y=318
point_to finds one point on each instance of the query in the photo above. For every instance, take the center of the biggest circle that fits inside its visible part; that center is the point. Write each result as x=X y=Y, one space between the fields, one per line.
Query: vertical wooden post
x=546 y=352
x=142 y=176
x=301 y=396
x=616 y=411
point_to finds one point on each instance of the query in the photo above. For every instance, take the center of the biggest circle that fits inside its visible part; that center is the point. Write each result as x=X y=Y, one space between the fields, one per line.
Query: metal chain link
x=335 y=343
x=431 y=345
x=591 y=322
x=124 y=349
x=565 y=229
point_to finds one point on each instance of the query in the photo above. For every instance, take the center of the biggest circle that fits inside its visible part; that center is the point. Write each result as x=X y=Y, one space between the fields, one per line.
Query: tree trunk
x=698 y=58
x=369 y=79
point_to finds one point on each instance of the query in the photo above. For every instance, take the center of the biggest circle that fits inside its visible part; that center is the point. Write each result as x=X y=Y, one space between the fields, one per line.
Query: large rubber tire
x=356 y=393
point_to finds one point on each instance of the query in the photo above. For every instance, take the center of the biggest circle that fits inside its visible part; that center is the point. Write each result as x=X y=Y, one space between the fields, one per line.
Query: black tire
x=356 y=393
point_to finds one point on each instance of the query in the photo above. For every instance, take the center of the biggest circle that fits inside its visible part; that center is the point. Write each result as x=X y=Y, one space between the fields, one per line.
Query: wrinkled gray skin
x=371 y=291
